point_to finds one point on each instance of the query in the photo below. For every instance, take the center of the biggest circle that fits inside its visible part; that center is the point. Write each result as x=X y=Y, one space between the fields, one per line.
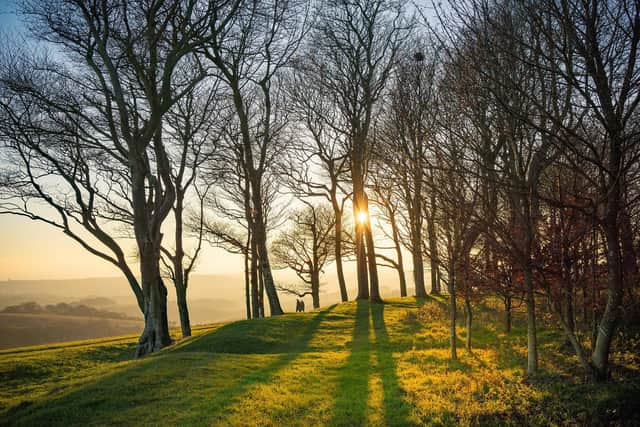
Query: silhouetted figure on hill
x=302 y=305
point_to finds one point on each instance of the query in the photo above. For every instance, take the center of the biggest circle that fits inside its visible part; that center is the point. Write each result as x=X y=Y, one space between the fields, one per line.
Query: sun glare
x=362 y=217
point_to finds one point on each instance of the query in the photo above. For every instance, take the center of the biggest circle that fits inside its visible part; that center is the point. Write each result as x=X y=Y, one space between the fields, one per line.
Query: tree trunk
x=255 y=292
x=315 y=288
x=452 y=311
x=400 y=262
x=418 y=270
x=468 y=320
x=265 y=268
x=532 y=343
x=374 y=294
x=247 y=284
x=338 y=249
x=361 y=264
x=155 y=335
x=180 y=278
x=610 y=316
x=185 y=322
x=433 y=250
x=261 y=294
x=360 y=206
x=507 y=314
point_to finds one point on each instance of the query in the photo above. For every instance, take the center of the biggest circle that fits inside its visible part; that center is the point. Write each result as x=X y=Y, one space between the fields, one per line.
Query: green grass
x=347 y=365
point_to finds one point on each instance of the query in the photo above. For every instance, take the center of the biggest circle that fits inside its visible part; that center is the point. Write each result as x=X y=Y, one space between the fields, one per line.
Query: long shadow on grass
x=396 y=411
x=350 y=404
x=213 y=406
x=156 y=380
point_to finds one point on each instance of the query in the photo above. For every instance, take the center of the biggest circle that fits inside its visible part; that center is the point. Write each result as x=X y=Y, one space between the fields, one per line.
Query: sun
x=362 y=217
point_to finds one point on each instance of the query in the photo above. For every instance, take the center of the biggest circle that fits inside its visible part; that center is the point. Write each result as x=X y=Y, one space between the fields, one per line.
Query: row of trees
x=495 y=141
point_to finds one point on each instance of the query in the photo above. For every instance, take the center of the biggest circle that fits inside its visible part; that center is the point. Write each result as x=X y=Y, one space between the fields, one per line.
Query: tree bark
x=372 y=262
x=247 y=284
x=468 y=320
x=183 y=310
x=255 y=293
x=452 y=311
x=507 y=314
x=532 y=343
x=315 y=288
x=155 y=335
x=433 y=250
x=338 y=252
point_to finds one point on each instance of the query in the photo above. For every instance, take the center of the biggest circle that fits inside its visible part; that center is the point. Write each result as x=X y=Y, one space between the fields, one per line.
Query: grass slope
x=347 y=365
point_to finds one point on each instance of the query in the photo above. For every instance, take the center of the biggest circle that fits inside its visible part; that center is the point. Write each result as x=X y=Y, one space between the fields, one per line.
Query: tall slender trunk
x=361 y=264
x=418 y=269
x=263 y=253
x=338 y=250
x=183 y=310
x=400 y=262
x=255 y=293
x=180 y=273
x=451 y=285
x=247 y=282
x=415 y=213
x=532 y=343
x=364 y=236
x=433 y=250
x=374 y=293
x=261 y=294
x=361 y=253
x=468 y=320
x=507 y=314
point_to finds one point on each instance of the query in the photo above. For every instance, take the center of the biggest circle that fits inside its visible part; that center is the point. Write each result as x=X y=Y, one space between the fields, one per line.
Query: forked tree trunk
x=155 y=335
x=610 y=316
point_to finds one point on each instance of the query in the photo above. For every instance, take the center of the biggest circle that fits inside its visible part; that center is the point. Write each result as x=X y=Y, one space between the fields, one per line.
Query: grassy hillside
x=349 y=364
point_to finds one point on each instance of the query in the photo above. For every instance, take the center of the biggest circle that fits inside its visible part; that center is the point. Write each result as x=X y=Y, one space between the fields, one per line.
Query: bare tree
x=317 y=169
x=405 y=134
x=260 y=41
x=306 y=248
x=355 y=45
x=125 y=61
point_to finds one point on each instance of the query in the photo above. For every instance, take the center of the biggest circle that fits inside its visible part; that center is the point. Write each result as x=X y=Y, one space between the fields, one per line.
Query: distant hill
x=21 y=329
x=64 y=309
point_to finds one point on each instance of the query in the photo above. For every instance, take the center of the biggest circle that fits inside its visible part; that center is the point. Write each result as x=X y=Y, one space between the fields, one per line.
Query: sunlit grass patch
x=347 y=365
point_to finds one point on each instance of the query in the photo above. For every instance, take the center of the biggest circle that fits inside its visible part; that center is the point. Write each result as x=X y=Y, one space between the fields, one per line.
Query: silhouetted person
x=297 y=305
x=301 y=305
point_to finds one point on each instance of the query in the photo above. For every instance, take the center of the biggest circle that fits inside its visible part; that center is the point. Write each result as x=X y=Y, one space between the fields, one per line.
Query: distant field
x=18 y=329
x=350 y=364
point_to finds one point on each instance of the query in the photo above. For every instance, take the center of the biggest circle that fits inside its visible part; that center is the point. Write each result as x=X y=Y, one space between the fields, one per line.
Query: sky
x=30 y=250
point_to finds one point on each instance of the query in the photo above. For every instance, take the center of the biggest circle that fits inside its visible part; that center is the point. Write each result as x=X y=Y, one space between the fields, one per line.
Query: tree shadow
x=135 y=386
x=396 y=410
x=350 y=404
